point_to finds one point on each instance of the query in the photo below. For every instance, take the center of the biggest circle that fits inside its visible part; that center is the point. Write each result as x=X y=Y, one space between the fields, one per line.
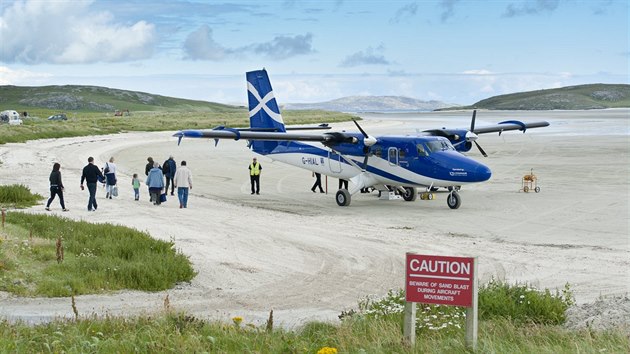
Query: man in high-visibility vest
x=254 y=175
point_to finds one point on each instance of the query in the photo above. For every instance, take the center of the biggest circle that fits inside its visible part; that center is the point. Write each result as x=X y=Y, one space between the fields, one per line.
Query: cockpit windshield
x=439 y=145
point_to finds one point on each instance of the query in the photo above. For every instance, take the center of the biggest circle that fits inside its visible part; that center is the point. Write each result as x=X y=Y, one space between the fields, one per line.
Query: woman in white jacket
x=183 y=182
x=109 y=170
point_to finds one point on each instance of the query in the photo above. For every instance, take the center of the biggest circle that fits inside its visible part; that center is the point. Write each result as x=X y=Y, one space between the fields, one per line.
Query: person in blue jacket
x=155 y=181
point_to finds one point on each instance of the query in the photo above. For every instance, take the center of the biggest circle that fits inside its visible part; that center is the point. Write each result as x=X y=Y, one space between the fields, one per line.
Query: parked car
x=61 y=116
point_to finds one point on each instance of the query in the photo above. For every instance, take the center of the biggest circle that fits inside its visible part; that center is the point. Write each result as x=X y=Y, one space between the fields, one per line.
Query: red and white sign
x=439 y=280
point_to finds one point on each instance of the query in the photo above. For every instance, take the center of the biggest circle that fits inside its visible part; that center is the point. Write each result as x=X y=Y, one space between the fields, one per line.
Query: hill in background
x=96 y=99
x=593 y=96
x=102 y=99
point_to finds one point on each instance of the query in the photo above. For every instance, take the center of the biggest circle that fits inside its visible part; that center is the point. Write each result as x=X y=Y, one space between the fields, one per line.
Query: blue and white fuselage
x=399 y=163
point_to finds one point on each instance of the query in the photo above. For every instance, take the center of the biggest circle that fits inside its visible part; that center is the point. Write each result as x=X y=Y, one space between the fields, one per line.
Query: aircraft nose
x=482 y=173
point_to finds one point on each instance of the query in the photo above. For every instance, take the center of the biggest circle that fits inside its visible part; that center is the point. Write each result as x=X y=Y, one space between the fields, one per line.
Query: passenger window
x=378 y=151
x=401 y=153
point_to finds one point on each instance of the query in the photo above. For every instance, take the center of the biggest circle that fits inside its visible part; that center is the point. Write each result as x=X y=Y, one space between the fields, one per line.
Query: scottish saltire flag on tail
x=264 y=114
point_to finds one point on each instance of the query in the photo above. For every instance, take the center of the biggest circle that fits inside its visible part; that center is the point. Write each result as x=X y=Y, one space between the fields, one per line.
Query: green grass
x=99 y=123
x=593 y=96
x=181 y=333
x=18 y=196
x=97 y=258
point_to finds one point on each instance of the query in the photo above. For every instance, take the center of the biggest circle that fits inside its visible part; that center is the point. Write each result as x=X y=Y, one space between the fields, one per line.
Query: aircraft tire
x=343 y=197
x=410 y=194
x=537 y=189
x=453 y=200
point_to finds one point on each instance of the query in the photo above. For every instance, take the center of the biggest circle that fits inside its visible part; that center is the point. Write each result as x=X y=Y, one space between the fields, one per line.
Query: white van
x=11 y=117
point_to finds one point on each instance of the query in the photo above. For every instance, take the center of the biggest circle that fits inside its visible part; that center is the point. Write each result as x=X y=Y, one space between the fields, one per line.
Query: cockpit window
x=439 y=145
x=421 y=151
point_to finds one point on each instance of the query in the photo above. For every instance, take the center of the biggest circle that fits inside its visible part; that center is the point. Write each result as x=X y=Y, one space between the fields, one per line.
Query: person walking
x=183 y=182
x=109 y=170
x=318 y=182
x=169 y=168
x=254 y=175
x=90 y=175
x=135 y=183
x=148 y=166
x=155 y=181
x=56 y=187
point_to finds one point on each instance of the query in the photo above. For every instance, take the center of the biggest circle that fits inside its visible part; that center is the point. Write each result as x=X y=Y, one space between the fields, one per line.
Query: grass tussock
x=18 y=196
x=97 y=258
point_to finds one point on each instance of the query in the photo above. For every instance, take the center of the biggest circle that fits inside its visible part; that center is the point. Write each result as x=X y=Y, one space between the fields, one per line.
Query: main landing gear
x=342 y=197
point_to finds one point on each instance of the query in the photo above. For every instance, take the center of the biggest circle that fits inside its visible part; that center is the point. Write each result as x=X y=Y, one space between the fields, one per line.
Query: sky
x=455 y=51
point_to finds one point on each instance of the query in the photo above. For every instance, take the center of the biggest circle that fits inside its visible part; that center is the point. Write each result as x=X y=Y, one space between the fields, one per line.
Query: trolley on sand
x=530 y=182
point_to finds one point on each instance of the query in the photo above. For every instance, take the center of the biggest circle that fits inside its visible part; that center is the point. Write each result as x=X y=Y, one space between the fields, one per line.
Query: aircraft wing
x=509 y=125
x=499 y=127
x=228 y=133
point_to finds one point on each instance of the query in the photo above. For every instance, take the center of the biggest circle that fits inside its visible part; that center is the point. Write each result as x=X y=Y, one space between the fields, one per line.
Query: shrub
x=17 y=195
x=517 y=303
x=522 y=303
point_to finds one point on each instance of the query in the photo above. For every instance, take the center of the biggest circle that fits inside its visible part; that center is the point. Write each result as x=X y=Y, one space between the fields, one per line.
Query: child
x=135 y=182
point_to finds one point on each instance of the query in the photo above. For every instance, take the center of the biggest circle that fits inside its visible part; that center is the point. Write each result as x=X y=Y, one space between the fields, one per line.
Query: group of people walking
x=180 y=178
x=176 y=177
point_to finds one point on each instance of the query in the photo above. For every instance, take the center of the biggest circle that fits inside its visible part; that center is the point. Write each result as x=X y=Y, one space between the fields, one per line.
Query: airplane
x=430 y=159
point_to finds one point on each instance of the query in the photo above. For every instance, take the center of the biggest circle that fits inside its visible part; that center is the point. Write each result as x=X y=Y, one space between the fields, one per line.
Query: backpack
x=166 y=168
x=106 y=170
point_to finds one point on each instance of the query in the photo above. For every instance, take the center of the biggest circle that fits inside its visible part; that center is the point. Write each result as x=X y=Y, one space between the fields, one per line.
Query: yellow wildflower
x=327 y=350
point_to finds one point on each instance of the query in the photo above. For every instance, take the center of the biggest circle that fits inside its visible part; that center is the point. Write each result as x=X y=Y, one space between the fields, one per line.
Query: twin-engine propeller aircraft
x=428 y=160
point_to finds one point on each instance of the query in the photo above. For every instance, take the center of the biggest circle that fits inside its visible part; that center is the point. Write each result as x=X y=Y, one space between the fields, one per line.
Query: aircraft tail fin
x=264 y=114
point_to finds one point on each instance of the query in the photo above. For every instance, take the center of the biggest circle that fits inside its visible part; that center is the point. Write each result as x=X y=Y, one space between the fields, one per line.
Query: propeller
x=367 y=141
x=471 y=136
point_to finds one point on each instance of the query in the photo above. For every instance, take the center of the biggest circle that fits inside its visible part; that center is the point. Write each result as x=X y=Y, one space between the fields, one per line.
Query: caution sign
x=439 y=280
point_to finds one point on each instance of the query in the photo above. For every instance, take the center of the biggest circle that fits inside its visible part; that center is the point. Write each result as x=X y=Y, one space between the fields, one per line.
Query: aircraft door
x=392 y=156
x=334 y=162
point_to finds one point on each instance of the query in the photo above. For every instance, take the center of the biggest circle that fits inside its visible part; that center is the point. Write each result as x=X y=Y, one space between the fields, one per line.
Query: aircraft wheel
x=430 y=196
x=343 y=197
x=526 y=189
x=410 y=194
x=453 y=200
x=537 y=189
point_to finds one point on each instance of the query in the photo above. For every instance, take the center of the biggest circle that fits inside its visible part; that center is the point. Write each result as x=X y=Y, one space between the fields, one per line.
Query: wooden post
x=409 y=327
x=471 y=314
x=4 y=213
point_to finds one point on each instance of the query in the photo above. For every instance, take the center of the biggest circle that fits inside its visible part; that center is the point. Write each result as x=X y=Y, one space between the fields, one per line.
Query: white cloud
x=477 y=72
x=200 y=45
x=18 y=77
x=67 y=32
x=370 y=56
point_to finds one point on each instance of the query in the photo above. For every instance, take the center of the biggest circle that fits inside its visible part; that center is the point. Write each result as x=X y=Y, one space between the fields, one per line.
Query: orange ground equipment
x=530 y=182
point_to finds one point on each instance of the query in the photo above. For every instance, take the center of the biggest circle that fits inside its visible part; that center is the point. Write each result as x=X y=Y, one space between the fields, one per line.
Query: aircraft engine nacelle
x=462 y=140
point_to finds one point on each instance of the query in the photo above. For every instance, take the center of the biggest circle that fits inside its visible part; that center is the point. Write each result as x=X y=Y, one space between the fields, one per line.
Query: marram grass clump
x=96 y=258
x=18 y=196
x=519 y=303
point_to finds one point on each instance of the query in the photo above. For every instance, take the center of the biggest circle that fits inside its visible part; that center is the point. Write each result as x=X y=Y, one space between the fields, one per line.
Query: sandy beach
x=298 y=253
